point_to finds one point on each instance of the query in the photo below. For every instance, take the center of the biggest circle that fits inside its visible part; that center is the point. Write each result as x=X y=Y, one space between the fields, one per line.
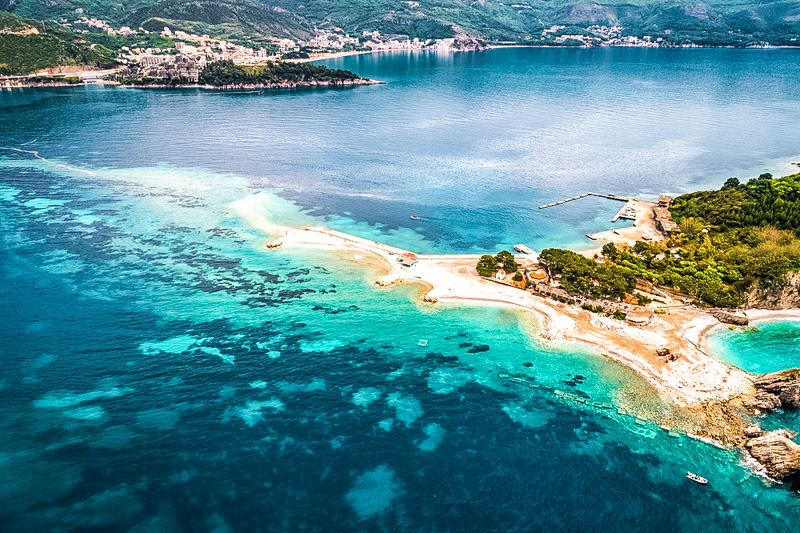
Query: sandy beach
x=695 y=378
x=708 y=393
x=331 y=55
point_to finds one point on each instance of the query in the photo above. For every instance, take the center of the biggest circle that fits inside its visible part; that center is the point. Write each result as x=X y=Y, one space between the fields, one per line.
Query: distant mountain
x=27 y=46
x=251 y=16
x=719 y=22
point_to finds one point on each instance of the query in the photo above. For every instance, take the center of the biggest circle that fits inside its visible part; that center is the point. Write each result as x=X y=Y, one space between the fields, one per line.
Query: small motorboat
x=697 y=479
x=414 y=217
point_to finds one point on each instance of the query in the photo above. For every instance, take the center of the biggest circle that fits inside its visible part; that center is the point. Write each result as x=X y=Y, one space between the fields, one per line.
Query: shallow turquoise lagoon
x=762 y=347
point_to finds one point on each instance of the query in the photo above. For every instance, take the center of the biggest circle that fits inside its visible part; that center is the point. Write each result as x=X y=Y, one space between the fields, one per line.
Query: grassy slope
x=251 y=16
x=52 y=47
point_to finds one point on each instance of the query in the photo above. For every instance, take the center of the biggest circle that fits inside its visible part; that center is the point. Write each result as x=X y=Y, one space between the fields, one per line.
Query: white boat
x=697 y=479
x=414 y=217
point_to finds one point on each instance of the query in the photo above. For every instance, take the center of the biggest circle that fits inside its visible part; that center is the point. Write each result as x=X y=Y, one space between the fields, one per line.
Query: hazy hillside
x=27 y=46
x=516 y=20
x=251 y=15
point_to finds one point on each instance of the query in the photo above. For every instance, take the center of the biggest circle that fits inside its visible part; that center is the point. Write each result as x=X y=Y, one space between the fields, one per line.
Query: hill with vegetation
x=227 y=73
x=27 y=46
x=273 y=74
x=723 y=22
x=736 y=245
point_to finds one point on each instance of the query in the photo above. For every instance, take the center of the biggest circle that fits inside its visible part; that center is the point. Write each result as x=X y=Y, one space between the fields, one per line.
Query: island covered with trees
x=738 y=246
x=272 y=74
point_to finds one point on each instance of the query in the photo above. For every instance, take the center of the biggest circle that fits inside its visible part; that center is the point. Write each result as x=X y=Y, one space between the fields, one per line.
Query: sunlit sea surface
x=161 y=371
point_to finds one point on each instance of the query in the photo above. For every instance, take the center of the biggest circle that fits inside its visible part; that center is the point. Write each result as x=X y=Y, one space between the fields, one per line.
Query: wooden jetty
x=584 y=195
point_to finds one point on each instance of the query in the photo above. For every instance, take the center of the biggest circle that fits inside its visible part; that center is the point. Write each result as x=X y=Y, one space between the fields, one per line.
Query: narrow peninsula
x=647 y=298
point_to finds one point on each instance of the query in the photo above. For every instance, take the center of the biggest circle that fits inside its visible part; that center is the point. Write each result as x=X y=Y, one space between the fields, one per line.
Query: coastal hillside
x=732 y=22
x=246 y=18
x=270 y=75
x=753 y=231
x=738 y=246
x=27 y=46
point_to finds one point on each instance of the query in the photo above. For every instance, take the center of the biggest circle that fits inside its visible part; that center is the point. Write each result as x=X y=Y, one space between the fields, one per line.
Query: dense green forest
x=742 y=236
x=115 y=42
x=732 y=22
x=226 y=73
x=581 y=275
x=763 y=201
x=50 y=47
x=223 y=73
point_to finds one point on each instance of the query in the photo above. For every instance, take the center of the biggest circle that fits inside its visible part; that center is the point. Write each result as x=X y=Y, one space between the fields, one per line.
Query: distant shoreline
x=333 y=55
x=259 y=86
x=4 y=80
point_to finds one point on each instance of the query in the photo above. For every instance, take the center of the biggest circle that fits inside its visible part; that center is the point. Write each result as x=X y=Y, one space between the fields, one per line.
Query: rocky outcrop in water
x=777 y=389
x=764 y=401
x=775 y=450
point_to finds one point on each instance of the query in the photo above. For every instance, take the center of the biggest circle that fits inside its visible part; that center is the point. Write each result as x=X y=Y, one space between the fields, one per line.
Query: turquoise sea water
x=163 y=372
x=762 y=347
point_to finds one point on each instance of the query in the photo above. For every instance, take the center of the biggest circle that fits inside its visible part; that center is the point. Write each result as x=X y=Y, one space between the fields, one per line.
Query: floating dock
x=584 y=195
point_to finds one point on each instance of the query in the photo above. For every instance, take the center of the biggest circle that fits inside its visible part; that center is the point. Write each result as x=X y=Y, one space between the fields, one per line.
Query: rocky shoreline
x=775 y=450
x=776 y=390
x=257 y=86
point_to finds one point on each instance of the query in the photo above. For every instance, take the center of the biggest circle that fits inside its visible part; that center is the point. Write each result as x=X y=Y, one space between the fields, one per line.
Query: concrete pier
x=628 y=211
x=584 y=195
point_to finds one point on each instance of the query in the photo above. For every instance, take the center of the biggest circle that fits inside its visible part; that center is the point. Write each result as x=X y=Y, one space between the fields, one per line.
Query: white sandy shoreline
x=772 y=315
x=707 y=394
x=451 y=280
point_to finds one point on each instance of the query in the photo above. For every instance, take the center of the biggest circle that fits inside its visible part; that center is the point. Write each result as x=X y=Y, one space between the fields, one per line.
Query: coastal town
x=183 y=55
x=171 y=53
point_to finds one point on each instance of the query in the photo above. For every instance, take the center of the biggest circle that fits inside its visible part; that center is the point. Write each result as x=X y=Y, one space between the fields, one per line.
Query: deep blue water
x=163 y=372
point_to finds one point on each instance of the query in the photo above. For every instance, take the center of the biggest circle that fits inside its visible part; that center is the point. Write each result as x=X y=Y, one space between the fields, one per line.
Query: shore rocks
x=777 y=389
x=784 y=294
x=730 y=317
x=764 y=401
x=752 y=431
x=775 y=450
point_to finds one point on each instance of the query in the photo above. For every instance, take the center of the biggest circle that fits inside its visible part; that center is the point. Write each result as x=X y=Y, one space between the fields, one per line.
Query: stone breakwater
x=729 y=317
